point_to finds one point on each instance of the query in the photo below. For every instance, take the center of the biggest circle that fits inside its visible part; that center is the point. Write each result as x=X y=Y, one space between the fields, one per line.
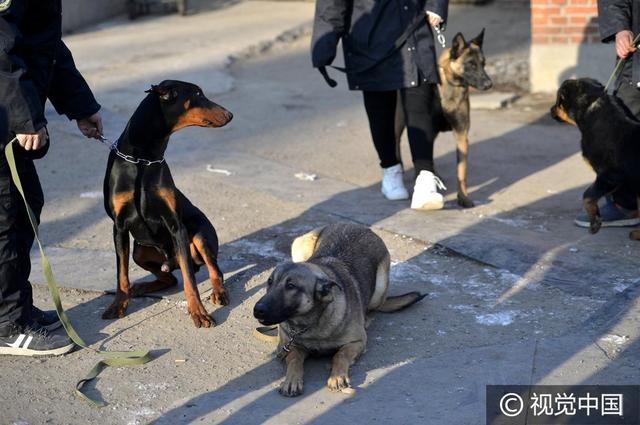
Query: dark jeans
x=381 y=111
x=16 y=239
x=630 y=96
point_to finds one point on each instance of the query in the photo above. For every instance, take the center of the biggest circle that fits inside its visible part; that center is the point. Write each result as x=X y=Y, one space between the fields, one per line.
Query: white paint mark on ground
x=92 y=195
x=615 y=339
x=503 y=318
x=211 y=169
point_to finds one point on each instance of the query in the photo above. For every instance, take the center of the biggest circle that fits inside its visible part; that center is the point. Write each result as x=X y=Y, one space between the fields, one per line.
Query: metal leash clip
x=440 y=36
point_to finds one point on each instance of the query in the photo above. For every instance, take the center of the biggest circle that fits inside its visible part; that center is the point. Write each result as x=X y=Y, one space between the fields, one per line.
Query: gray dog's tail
x=400 y=301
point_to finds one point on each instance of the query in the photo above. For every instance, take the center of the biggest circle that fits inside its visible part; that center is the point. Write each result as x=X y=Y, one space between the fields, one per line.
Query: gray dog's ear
x=457 y=46
x=165 y=93
x=479 y=39
x=324 y=289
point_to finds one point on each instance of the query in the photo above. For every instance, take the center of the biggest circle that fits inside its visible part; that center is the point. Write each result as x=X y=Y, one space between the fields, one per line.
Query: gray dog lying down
x=321 y=300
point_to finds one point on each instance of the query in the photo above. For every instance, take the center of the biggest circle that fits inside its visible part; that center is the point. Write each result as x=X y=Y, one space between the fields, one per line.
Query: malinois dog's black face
x=293 y=290
x=575 y=97
x=467 y=62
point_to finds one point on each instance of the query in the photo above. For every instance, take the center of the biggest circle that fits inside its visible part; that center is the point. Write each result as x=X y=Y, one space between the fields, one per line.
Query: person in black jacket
x=35 y=66
x=369 y=31
x=619 y=20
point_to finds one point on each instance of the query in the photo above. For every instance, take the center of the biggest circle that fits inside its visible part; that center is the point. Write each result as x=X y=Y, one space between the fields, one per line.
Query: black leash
x=418 y=22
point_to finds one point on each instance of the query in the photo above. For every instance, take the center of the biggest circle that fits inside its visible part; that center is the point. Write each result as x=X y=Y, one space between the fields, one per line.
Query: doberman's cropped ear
x=457 y=46
x=166 y=94
x=324 y=289
x=479 y=39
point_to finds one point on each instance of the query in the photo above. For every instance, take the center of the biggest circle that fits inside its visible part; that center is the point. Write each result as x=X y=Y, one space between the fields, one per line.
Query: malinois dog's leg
x=293 y=381
x=342 y=360
x=462 y=154
x=119 y=306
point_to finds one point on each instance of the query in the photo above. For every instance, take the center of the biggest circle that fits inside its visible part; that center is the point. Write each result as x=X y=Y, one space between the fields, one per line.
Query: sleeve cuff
x=430 y=13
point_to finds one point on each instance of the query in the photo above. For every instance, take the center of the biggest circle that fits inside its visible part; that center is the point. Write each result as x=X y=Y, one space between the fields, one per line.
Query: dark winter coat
x=368 y=30
x=35 y=65
x=619 y=15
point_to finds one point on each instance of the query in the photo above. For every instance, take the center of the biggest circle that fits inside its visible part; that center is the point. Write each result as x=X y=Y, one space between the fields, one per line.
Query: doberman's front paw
x=291 y=387
x=338 y=382
x=464 y=201
x=595 y=224
x=117 y=310
x=635 y=235
x=200 y=317
x=219 y=297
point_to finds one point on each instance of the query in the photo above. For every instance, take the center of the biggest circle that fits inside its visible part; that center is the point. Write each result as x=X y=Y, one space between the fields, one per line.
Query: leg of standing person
x=381 y=109
x=417 y=103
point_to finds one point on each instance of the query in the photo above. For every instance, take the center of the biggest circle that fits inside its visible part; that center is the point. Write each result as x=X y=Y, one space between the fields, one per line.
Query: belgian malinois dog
x=459 y=67
x=321 y=300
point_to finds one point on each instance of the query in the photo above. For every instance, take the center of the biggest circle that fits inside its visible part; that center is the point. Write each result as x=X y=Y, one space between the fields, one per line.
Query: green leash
x=111 y=358
x=618 y=65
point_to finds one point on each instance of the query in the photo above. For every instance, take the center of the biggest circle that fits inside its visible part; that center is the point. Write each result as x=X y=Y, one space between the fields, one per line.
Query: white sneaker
x=392 y=184
x=425 y=192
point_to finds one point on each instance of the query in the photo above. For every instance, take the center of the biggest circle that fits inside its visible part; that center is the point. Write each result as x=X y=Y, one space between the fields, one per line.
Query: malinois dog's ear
x=165 y=93
x=479 y=39
x=324 y=289
x=457 y=46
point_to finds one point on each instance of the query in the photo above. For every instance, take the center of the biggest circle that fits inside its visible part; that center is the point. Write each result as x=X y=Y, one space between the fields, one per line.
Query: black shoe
x=32 y=340
x=47 y=319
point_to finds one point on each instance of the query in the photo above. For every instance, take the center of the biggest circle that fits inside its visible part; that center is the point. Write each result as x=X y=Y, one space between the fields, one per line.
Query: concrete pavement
x=518 y=294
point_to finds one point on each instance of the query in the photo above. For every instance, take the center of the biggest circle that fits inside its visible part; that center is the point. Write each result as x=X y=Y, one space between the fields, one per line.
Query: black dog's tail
x=399 y=302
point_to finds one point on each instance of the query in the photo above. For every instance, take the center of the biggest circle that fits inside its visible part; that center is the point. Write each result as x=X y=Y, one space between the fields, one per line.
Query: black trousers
x=381 y=111
x=16 y=239
x=630 y=96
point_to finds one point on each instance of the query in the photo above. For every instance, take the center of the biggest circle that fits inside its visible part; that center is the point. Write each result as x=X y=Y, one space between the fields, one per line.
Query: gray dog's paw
x=338 y=382
x=291 y=387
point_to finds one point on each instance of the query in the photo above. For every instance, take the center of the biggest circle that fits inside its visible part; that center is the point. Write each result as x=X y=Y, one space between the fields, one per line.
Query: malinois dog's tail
x=399 y=302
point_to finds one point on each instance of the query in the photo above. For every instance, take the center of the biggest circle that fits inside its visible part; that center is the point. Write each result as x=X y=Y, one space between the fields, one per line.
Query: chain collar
x=292 y=337
x=132 y=159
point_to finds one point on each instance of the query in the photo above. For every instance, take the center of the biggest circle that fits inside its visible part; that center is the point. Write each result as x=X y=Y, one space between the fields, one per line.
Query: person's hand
x=434 y=19
x=33 y=141
x=91 y=126
x=623 y=44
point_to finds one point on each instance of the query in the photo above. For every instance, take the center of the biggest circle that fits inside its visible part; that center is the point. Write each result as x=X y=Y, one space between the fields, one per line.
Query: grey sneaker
x=612 y=215
x=33 y=340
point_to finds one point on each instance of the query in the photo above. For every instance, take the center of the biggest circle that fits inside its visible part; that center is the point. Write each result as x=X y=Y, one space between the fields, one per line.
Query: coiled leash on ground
x=619 y=64
x=110 y=358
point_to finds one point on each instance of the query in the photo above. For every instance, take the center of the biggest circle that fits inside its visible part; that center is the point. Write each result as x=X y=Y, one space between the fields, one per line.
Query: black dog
x=460 y=67
x=142 y=200
x=610 y=137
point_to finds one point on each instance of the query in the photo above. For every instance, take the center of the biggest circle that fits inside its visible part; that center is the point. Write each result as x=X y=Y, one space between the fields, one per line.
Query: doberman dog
x=141 y=198
x=459 y=67
x=609 y=143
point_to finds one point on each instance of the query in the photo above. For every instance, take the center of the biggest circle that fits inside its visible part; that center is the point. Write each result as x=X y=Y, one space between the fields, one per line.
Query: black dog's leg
x=194 y=305
x=119 y=306
x=605 y=184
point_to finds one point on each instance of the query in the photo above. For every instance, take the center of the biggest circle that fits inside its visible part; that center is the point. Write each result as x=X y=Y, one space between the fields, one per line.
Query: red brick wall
x=564 y=21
